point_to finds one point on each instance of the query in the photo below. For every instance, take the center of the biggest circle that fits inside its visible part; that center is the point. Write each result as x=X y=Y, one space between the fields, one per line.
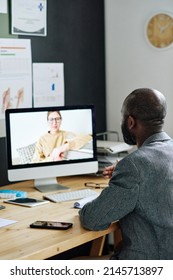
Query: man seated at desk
x=140 y=192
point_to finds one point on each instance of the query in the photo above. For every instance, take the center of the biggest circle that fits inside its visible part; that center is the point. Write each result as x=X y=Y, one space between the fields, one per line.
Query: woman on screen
x=54 y=145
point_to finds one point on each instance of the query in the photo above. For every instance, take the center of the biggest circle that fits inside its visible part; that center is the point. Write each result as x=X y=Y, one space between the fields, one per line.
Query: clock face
x=160 y=30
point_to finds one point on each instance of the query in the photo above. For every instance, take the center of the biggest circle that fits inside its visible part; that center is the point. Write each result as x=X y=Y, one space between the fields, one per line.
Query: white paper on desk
x=4 y=222
x=80 y=203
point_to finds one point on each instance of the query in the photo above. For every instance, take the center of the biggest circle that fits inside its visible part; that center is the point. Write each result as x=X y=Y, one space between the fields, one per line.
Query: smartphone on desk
x=51 y=225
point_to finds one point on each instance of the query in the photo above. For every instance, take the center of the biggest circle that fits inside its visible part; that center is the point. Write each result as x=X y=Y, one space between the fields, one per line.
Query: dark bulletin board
x=75 y=36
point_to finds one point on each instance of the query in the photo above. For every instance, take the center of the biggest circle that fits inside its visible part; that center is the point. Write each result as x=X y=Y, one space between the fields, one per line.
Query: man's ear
x=131 y=122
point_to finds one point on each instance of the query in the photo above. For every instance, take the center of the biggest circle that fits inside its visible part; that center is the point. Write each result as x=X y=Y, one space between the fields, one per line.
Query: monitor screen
x=49 y=142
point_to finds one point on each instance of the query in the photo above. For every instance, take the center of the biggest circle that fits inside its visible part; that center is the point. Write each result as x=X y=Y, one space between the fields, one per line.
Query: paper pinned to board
x=48 y=84
x=3 y=7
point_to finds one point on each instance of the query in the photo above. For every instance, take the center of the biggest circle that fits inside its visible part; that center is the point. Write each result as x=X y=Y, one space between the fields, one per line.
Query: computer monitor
x=34 y=140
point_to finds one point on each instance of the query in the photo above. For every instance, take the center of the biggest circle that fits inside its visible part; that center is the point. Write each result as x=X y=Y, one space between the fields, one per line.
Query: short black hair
x=147 y=105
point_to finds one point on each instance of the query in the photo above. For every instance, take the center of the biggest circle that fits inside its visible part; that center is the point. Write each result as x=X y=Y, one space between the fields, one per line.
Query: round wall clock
x=159 y=30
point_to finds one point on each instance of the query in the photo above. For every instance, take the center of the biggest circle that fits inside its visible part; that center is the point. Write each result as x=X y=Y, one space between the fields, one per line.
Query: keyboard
x=70 y=195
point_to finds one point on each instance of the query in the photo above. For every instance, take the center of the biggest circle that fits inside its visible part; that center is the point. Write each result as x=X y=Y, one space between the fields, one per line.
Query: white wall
x=130 y=61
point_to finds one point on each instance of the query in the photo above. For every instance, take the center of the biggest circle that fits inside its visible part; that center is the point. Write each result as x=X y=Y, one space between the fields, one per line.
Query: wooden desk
x=20 y=242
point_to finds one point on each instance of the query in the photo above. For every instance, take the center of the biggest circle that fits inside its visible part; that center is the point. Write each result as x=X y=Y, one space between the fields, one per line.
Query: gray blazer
x=140 y=196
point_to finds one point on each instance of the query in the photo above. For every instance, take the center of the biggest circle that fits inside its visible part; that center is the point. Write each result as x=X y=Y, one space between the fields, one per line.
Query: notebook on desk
x=80 y=203
x=112 y=146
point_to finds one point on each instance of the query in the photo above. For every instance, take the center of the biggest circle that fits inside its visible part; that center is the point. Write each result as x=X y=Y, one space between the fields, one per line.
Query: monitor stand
x=48 y=185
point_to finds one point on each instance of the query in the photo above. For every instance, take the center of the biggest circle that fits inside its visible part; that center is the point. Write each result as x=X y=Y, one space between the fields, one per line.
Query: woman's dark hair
x=49 y=112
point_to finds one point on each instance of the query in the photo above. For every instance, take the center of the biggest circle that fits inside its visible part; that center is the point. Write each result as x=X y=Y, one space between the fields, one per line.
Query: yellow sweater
x=48 y=142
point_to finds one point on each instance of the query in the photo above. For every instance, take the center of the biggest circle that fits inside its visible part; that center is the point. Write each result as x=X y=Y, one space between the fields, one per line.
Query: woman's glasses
x=56 y=120
x=95 y=185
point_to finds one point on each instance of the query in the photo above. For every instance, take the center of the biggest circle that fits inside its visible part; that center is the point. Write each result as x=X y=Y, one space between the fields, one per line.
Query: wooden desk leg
x=97 y=246
x=117 y=238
